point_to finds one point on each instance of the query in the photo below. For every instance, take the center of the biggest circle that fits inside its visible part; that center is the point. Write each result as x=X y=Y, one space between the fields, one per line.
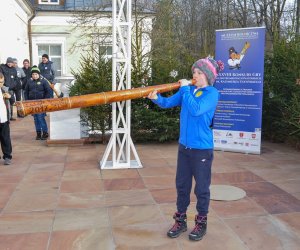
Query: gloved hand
x=184 y=82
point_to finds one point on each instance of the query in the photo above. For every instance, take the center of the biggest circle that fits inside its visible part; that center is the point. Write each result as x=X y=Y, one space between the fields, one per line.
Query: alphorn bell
x=50 y=105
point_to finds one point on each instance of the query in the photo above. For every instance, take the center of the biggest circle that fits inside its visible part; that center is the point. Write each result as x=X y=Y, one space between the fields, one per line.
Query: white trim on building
x=47 y=40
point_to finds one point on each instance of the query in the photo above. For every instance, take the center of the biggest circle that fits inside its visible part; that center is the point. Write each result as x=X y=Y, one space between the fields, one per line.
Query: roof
x=78 y=5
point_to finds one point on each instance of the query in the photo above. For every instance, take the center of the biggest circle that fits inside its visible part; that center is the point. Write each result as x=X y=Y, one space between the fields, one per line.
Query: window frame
x=49 y=2
x=52 y=57
x=105 y=41
x=105 y=47
x=48 y=40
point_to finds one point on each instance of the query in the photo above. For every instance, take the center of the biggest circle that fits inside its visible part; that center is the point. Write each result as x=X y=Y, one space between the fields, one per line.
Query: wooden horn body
x=54 y=104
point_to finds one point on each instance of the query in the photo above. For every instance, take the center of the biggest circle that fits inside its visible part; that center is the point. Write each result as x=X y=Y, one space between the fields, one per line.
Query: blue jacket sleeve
x=207 y=103
x=168 y=102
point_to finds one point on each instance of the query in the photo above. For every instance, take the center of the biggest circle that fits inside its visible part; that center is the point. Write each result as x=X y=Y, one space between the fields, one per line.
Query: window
x=48 y=1
x=106 y=51
x=54 y=51
x=102 y=44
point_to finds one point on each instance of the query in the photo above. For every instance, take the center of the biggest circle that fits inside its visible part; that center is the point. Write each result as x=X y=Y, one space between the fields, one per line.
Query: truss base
x=110 y=165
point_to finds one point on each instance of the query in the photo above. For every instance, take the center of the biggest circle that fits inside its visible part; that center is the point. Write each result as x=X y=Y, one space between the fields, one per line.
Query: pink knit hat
x=209 y=67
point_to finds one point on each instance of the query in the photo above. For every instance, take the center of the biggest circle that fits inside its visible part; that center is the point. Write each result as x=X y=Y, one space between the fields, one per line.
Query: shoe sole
x=175 y=236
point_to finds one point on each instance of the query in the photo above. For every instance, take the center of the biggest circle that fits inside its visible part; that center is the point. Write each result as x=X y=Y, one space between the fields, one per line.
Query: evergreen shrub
x=281 y=105
x=94 y=76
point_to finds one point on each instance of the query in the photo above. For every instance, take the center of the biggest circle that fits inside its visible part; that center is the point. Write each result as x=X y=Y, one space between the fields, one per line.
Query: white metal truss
x=118 y=151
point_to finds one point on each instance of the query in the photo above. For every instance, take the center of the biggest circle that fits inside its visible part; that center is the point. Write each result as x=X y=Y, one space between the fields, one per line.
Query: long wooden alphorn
x=49 y=105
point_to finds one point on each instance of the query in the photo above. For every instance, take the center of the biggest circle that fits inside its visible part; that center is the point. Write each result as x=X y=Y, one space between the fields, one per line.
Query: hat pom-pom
x=221 y=65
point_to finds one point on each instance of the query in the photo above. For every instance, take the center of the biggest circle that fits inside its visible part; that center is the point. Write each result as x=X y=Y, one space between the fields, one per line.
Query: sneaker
x=200 y=228
x=13 y=119
x=179 y=226
x=7 y=161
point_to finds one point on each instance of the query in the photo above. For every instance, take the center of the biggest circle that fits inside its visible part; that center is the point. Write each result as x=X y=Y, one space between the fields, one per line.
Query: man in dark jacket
x=11 y=81
x=20 y=74
x=38 y=88
x=47 y=69
x=27 y=70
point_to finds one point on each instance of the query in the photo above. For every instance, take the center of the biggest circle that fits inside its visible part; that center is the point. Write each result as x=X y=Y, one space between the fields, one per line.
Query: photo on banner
x=237 y=121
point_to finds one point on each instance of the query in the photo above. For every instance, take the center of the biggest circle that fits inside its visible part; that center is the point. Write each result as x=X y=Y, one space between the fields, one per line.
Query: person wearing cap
x=11 y=78
x=38 y=88
x=4 y=122
x=198 y=103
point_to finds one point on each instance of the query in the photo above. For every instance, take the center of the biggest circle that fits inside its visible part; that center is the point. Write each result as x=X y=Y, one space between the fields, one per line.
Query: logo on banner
x=235 y=58
x=229 y=134
x=241 y=135
x=253 y=136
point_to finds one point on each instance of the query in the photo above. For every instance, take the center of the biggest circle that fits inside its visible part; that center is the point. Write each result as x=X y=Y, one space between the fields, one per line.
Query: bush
x=151 y=123
x=94 y=76
x=281 y=106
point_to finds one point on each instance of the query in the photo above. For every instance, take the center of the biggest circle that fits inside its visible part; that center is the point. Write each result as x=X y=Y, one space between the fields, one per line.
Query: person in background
x=38 y=88
x=27 y=70
x=195 y=153
x=20 y=74
x=4 y=122
x=47 y=70
x=11 y=78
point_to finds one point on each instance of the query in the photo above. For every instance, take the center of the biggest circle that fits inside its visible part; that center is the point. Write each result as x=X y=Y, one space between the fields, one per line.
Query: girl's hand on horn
x=153 y=95
x=184 y=82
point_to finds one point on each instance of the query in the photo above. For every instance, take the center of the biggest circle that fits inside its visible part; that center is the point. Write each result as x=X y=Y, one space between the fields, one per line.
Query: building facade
x=60 y=29
x=14 y=17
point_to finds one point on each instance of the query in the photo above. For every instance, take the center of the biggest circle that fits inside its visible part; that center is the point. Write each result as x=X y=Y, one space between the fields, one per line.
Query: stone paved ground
x=56 y=198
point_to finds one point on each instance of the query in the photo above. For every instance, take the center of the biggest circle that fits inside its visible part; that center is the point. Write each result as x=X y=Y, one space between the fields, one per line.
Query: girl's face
x=200 y=78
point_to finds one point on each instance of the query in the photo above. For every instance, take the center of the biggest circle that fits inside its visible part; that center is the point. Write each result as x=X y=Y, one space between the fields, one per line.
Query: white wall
x=13 y=26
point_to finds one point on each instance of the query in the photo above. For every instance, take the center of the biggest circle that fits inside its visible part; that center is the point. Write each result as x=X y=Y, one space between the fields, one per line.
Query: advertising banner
x=237 y=121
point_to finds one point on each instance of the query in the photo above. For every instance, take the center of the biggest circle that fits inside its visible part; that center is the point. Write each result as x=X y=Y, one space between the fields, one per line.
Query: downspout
x=29 y=34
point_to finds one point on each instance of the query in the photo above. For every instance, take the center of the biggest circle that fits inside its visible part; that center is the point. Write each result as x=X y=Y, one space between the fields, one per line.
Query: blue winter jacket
x=37 y=89
x=197 y=111
x=47 y=70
